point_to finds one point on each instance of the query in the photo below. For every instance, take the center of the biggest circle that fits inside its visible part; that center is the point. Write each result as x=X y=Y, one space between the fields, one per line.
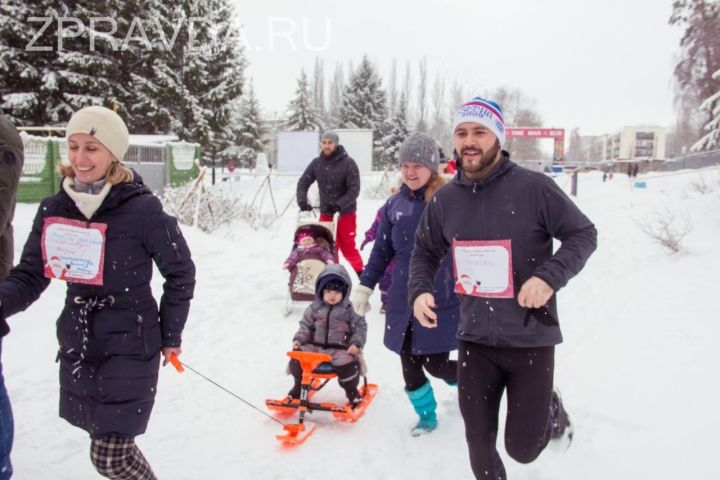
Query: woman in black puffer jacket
x=101 y=233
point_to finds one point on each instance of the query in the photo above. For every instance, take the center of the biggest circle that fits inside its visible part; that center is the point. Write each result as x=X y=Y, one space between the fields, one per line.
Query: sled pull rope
x=179 y=365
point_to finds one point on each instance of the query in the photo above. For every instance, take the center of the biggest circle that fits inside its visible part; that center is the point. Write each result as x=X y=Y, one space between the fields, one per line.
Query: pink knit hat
x=302 y=234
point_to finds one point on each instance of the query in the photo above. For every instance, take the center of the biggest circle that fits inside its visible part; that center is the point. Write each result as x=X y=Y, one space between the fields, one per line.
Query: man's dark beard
x=487 y=158
x=328 y=155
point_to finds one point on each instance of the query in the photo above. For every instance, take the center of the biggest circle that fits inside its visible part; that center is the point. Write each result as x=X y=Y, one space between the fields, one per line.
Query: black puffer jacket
x=112 y=390
x=11 y=164
x=338 y=181
x=514 y=203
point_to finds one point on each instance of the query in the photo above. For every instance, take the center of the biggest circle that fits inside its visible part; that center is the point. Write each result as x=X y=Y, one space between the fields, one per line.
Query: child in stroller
x=307 y=246
x=313 y=249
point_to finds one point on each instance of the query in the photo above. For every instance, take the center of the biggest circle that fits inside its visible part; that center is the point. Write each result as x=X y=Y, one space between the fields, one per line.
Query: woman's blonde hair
x=117 y=173
x=435 y=182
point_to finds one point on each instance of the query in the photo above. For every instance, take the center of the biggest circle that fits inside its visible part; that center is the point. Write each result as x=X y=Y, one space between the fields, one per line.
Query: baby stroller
x=301 y=285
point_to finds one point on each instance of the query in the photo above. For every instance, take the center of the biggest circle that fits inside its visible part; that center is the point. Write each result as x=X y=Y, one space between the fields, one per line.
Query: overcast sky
x=596 y=65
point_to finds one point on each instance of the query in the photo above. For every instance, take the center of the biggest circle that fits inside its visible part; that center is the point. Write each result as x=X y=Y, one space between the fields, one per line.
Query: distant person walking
x=338 y=181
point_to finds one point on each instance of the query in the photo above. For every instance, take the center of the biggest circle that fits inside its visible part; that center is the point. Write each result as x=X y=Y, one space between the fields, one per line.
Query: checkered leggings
x=119 y=458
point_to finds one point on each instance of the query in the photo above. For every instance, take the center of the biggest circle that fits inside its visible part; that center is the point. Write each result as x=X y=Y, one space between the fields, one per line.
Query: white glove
x=360 y=298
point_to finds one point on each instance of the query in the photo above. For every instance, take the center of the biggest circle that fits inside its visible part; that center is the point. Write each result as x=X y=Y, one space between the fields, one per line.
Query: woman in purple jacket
x=101 y=233
x=420 y=349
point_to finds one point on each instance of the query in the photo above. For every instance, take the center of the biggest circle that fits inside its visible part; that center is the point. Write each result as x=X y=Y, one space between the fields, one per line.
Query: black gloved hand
x=305 y=206
x=332 y=208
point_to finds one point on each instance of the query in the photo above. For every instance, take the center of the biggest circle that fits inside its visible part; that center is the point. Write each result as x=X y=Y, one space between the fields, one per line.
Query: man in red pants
x=338 y=181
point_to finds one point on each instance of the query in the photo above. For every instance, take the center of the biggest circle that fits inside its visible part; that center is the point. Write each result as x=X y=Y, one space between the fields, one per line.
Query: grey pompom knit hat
x=420 y=148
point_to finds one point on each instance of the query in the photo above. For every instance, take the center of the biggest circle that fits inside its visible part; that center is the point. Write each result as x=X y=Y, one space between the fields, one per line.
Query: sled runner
x=317 y=372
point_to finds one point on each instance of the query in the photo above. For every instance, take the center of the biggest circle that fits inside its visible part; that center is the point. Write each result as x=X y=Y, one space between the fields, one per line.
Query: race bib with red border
x=73 y=250
x=483 y=268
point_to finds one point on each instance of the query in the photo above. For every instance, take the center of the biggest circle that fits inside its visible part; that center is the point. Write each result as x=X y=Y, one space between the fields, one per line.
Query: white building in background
x=629 y=144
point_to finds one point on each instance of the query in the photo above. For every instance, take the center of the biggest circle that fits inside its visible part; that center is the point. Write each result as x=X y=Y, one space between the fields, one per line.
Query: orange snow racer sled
x=317 y=372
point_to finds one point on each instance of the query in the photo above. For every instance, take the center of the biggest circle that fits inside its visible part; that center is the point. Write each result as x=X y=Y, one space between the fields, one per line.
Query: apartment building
x=628 y=144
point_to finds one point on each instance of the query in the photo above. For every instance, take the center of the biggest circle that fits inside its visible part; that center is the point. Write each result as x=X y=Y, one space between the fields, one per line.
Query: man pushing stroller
x=330 y=325
x=338 y=180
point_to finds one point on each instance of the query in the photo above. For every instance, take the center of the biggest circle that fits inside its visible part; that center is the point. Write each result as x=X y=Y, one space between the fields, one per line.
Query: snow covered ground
x=637 y=369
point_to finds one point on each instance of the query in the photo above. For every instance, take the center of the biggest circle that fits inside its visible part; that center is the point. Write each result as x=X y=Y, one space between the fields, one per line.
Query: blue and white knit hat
x=486 y=113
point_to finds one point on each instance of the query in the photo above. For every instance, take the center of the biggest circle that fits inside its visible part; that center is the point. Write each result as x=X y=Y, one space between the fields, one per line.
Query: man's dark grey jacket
x=338 y=182
x=529 y=209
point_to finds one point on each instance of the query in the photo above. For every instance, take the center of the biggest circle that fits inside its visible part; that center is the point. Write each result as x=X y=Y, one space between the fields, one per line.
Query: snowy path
x=640 y=329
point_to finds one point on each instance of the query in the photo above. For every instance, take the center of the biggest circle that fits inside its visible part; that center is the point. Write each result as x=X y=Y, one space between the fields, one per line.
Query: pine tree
x=363 y=103
x=249 y=132
x=159 y=93
x=30 y=72
x=224 y=77
x=711 y=140
x=699 y=58
x=97 y=68
x=21 y=71
x=162 y=95
x=303 y=116
x=394 y=133
x=43 y=82
x=196 y=80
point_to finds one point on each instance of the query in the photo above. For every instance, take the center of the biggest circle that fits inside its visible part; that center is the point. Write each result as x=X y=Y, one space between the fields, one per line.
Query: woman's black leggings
x=437 y=364
x=527 y=375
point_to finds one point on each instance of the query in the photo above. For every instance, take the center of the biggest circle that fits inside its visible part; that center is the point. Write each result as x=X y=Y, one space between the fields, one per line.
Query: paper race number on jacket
x=73 y=250
x=483 y=268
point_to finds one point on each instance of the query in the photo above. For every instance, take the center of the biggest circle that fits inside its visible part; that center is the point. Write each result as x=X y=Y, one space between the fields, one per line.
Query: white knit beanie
x=103 y=124
x=485 y=112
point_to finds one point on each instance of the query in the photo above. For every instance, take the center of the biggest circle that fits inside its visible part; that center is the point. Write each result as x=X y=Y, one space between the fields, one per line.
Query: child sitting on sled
x=330 y=325
x=306 y=245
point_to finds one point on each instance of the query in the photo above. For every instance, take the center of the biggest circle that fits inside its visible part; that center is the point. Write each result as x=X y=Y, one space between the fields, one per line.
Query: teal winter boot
x=423 y=401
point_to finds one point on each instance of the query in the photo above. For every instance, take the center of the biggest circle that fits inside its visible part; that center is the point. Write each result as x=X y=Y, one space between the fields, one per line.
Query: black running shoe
x=562 y=428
